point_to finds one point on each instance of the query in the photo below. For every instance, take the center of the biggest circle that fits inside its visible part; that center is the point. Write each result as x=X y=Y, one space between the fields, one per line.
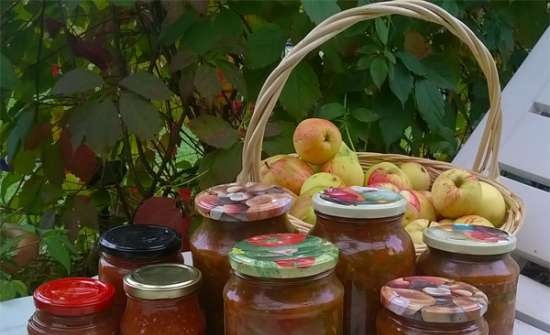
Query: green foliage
x=118 y=101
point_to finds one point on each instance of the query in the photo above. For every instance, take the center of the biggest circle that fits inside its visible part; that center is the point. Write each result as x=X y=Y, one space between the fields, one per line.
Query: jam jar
x=231 y=212
x=126 y=248
x=283 y=284
x=163 y=300
x=73 y=306
x=480 y=256
x=431 y=306
x=365 y=224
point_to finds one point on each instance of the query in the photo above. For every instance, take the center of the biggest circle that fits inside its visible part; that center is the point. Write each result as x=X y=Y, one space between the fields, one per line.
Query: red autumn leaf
x=416 y=44
x=185 y=194
x=90 y=49
x=55 y=70
x=53 y=26
x=81 y=162
x=39 y=134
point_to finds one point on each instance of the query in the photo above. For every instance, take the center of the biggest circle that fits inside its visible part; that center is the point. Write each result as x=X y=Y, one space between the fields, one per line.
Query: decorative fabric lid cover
x=243 y=202
x=359 y=202
x=286 y=255
x=434 y=299
x=469 y=239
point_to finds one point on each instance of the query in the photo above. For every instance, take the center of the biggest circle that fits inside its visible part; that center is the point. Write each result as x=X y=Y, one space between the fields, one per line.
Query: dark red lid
x=73 y=296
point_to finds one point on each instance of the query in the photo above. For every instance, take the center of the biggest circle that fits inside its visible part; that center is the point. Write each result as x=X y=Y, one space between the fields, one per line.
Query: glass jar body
x=258 y=306
x=388 y=323
x=496 y=275
x=211 y=243
x=372 y=252
x=44 y=323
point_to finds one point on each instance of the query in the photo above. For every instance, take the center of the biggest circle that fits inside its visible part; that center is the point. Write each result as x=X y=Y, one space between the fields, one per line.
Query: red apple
x=286 y=171
x=386 y=172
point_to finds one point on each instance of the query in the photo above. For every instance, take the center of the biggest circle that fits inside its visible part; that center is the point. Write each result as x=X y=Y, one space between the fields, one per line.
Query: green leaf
x=214 y=131
x=331 y=111
x=97 y=123
x=182 y=59
x=221 y=166
x=56 y=248
x=172 y=32
x=320 y=10
x=123 y=3
x=378 y=70
x=412 y=63
x=278 y=138
x=382 y=30
x=80 y=213
x=146 y=85
x=227 y=24
x=36 y=193
x=8 y=78
x=206 y=82
x=77 y=81
x=8 y=185
x=364 y=62
x=201 y=37
x=141 y=118
x=264 y=46
x=401 y=83
x=394 y=119
x=364 y=115
x=234 y=76
x=301 y=91
x=24 y=162
x=53 y=164
x=430 y=103
x=19 y=132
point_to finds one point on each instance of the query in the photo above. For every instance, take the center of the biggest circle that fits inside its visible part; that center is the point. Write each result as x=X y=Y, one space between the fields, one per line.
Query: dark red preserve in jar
x=73 y=306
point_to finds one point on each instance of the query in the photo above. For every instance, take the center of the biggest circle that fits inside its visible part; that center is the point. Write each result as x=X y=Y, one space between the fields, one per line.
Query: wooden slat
x=533 y=303
x=522 y=328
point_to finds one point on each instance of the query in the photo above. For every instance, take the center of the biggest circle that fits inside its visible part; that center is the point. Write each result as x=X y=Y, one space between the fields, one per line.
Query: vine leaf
x=364 y=115
x=53 y=164
x=146 y=85
x=320 y=10
x=301 y=91
x=264 y=46
x=77 y=81
x=56 y=247
x=80 y=213
x=19 y=132
x=8 y=78
x=401 y=83
x=331 y=111
x=141 y=118
x=412 y=63
x=378 y=70
x=206 y=82
x=214 y=131
x=430 y=103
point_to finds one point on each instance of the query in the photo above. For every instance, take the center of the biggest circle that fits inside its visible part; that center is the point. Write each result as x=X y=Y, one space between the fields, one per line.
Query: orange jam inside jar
x=479 y=256
x=126 y=248
x=231 y=212
x=73 y=306
x=163 y=300
x=283 y=284
x=365 y=224
x=431 y=306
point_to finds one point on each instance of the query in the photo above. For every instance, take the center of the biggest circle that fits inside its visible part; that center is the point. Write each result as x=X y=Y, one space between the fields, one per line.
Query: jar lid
x=73 y=296
x=359 y=202
x=140 y=241
x=243 y=202
x=284 y=255
x=162 y=281
x=469 y=239
x=434 y=299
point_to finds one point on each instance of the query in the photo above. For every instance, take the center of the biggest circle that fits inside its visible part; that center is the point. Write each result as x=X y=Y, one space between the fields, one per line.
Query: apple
x=456 y=193
x=286 y=171
x=319 y=182
x=26 y=250
x=445 y=221
x=492 y=205
x=418 y=175
x=316 y=140
x=416 y=229
x=387 y=186
x=303 y=209
x=474 y=219
x=345 y=165
x=418 y=207
x=386 y=172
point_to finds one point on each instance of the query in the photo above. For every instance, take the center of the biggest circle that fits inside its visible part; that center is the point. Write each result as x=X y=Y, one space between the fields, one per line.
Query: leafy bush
x=106 y=104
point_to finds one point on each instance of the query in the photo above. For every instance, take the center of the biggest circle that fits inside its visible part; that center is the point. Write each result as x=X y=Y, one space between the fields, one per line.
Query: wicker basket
x=486 y=161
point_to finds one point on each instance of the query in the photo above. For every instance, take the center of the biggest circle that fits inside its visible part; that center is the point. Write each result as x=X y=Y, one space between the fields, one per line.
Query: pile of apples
x=323 y=160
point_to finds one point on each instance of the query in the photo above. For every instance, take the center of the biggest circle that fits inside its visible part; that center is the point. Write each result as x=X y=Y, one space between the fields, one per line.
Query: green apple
x=456 y=193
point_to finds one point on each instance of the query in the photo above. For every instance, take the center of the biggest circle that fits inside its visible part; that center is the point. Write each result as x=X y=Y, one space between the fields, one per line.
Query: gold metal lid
x=162 y=281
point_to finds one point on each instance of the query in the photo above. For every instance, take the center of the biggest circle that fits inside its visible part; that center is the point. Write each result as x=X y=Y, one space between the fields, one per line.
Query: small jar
x=231 y=212
x=126 y=248
x=73 y=306
x=431 y=306
x=365 y=224
x=479 y=256
x=283 y=284
x=163 y=300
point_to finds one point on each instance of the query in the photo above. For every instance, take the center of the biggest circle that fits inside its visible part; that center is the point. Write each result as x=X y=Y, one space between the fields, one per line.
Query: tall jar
x=163 y=300
x=283 y=284
x=126 y=248
x=365 y=224
x=73 y=306
x=479 y=256
x=231 y=212
x=431 y=306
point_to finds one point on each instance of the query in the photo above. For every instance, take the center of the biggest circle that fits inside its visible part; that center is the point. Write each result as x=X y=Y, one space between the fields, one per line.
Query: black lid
x=137 y=240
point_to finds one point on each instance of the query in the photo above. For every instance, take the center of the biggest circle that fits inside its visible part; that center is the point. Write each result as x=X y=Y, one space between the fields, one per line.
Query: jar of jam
x=126 y=248
x=73 y=306
x=365 y=224
x=283 y=284
x=479 y=256
x=431 y=306
x=163 y=300
x=232 y=212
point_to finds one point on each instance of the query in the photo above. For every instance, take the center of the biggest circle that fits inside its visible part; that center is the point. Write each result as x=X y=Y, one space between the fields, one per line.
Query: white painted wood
x=533 y=303
x=522 y=328
x=14 y=315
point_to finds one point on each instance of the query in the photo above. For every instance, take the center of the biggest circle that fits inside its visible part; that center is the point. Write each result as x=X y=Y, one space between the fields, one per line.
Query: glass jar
x=365 y=224
x=126 y=248
x=283 y=284
x=481 y=257
x=232 y=212
x=431 y=306
x=163 y=300
x=73 y=306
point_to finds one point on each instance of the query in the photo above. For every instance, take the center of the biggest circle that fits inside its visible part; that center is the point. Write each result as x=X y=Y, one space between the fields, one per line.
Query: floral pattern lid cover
x=243 y=202
x=359 y=202
x=469 y=239
x=434 y=299
x=284 y=255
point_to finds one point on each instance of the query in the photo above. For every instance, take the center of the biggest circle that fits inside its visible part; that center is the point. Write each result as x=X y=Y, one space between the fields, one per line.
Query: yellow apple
x=387 y=186
x=474 y=219
x=286 y=171
x=456 y=193
x=492 y=205
x=316 y=140
x=416 y=229
x=345 y=165
x=319 y=182
x=302 y=208
x=418 y=175
x=418 y=207
x=386 y=172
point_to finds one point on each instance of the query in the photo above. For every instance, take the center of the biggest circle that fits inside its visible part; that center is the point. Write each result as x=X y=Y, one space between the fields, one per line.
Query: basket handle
x=487 y=155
